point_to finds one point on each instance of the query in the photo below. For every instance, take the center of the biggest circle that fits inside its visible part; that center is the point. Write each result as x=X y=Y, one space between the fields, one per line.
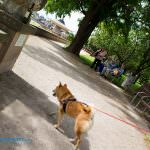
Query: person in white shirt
x=128 y=81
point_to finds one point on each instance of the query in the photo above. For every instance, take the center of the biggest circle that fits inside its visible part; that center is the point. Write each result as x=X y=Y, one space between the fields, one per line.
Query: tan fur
x=82 y=113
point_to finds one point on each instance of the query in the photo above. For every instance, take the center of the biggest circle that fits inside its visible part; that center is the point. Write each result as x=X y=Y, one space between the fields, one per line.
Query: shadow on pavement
x=70 y=65
x=72 y=68
x=12 y=89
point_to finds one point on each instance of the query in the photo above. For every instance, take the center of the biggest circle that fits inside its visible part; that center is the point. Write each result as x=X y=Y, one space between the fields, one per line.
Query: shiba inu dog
x=81 y=112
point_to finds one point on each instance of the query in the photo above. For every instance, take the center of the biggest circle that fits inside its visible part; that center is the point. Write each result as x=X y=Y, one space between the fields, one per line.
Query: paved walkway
x=26 y=101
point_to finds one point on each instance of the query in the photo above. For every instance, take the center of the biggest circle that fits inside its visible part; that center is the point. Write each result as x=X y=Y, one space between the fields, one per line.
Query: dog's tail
x=89 y=108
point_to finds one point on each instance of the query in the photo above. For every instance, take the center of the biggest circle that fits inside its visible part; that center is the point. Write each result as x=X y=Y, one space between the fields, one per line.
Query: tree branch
x=81 y=6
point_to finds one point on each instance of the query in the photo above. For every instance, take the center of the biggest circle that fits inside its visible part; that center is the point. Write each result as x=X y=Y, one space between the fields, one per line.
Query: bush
x=70 y=37
x=147 y=139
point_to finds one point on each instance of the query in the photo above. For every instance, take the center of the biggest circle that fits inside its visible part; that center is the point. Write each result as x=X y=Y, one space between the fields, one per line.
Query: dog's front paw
x=72 y=141
x=56 y=126
x=76 y=147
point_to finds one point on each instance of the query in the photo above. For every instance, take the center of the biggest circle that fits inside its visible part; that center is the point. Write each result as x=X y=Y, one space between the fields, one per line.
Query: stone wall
x=18 y=8
x=10 y=31
x=13 y=32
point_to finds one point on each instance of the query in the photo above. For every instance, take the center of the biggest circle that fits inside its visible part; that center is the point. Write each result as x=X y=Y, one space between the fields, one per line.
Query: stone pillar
x=13 y=32
x=11 y=49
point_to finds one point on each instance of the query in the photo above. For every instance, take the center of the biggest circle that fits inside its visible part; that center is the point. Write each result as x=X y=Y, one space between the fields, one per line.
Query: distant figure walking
x=128 y=81
x=99 y=56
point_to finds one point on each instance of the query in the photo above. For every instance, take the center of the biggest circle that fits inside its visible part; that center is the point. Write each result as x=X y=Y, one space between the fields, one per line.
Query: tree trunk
x=94 y=15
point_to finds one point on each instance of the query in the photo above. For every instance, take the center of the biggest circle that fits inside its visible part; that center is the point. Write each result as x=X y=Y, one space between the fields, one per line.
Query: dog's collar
x=69 y=99
x=64 y=96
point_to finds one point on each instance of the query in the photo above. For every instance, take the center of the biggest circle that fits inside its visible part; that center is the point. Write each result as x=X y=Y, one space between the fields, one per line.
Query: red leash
x=144 y=131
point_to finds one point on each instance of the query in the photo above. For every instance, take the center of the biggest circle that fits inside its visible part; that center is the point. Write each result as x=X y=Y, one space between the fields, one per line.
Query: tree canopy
x=63 y=8
x=135 y=53
x=123 y=13
x=123 y=27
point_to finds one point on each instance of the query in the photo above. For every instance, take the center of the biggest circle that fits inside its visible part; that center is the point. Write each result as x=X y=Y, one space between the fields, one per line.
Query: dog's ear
x=65 y=85
x=60 y=84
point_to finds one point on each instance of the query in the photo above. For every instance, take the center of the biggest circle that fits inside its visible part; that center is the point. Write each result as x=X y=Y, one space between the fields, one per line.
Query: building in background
x=59 y=27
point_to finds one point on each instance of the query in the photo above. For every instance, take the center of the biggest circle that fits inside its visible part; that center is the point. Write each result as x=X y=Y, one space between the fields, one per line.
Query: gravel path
x=26 y=101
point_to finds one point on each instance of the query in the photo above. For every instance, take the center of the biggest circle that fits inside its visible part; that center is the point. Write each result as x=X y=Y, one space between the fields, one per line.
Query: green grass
x=135 y=86
x=118 y=81
x=147 y=139
x=87 y=59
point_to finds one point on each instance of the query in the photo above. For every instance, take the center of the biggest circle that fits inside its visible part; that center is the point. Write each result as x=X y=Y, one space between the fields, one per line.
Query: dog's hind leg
x=78 y=133
x=59 y=117
x=77 y=140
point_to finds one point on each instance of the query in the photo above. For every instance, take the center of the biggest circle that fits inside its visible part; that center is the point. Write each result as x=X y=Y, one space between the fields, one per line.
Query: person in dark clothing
x=99 y=56
x=101 y=67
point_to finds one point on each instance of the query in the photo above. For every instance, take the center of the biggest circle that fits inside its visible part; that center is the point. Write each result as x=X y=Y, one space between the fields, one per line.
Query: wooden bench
x=88 y=51
x=144 y=95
